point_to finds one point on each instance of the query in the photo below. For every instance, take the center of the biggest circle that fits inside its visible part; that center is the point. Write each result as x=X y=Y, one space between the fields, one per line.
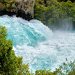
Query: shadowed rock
x=20 y=8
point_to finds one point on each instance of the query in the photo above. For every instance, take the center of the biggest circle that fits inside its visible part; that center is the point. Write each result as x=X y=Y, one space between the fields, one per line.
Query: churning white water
x=40 y=47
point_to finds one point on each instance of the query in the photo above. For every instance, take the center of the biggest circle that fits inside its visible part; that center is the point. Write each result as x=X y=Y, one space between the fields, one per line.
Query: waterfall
x=39 y=46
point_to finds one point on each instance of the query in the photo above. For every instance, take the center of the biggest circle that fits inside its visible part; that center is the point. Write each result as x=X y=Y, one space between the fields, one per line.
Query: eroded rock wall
x=22 y=8
x=26 y=5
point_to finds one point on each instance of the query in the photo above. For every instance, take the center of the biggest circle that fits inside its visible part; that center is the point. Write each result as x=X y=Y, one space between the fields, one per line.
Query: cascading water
x=40 y=47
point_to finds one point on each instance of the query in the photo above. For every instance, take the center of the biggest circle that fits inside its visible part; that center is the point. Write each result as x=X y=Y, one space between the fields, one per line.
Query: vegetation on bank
x=53 y=11
x=10 y=64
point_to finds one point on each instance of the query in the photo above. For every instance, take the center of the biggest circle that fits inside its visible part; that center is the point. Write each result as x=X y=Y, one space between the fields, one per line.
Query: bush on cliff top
x=52 y=11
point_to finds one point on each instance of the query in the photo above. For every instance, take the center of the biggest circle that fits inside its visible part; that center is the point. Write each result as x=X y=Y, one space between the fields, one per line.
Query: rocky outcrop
x=21 y=8
x=25 y=5
x=25 y=8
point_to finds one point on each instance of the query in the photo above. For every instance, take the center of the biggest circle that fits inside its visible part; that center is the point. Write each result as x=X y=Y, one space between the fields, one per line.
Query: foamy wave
x=39 y=46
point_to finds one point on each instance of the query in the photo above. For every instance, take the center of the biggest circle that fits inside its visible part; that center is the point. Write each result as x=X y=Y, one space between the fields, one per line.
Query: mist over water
x=63 y=25
x=41 y=47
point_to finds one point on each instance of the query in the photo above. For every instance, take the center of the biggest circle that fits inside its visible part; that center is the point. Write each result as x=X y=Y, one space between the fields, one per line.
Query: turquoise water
x=40 y=47
x=20 y=31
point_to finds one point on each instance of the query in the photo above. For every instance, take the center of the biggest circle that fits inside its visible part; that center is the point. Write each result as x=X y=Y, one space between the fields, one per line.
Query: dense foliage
x=52 y=11
x=10 y=64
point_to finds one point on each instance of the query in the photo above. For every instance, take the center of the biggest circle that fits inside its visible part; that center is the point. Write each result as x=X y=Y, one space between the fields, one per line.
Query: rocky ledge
x=20 y=8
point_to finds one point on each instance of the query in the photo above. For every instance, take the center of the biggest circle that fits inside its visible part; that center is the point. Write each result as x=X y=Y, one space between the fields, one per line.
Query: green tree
x=7 y=55
x=51 y=12
x=44 y=72
x=47 y=11
x=8 y=60
x=10 y=64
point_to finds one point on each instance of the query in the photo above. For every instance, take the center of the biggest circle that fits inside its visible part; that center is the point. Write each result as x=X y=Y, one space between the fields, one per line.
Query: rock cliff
x=21 y=8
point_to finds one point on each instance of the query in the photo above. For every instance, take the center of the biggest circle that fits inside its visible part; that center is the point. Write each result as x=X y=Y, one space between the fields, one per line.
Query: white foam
x=39 y=46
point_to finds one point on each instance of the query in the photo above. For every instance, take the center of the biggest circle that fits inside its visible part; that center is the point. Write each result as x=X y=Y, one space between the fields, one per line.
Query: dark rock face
x=24 y=15
x=25 y=9
x=4 y=12
x=20 y=8
x=19 y=13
